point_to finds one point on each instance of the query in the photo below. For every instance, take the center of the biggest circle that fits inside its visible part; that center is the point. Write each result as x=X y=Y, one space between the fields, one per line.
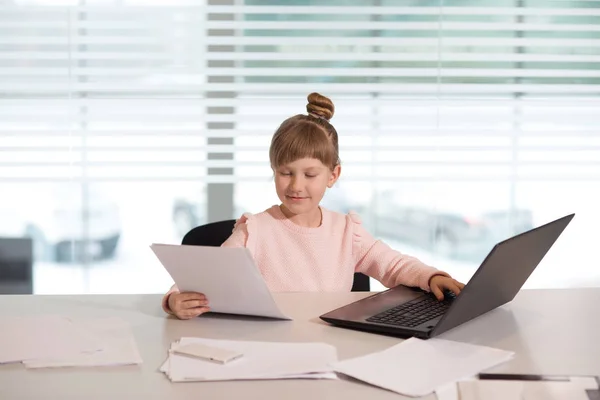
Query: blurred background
x=128 y=122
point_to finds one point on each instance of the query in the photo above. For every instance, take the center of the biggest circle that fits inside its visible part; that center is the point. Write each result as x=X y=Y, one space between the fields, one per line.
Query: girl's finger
x=185 y=296
x=437 y=292
x=194 y=312
x=454 y=288
x=194 y=303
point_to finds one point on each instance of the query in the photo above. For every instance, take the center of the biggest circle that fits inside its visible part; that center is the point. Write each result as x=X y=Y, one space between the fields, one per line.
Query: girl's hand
x=188 y=305
x=440 y=283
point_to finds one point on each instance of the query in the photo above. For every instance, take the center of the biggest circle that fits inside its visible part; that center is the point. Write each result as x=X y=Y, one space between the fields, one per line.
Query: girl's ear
x=335 y=175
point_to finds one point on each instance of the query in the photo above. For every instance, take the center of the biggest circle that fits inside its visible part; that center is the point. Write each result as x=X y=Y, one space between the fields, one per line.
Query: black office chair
x=215 y=233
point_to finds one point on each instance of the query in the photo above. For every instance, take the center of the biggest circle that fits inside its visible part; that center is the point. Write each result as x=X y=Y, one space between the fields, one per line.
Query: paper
x=227 y=276
x=261 y=360
x=119 y=347
x=317 y=375
x=574 y=389
x=44 y=336
x=447 y=392
x=215 y=354
x=418 y=367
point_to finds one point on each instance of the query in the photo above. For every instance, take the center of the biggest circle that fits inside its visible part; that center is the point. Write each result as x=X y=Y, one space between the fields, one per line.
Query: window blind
x=425 y=90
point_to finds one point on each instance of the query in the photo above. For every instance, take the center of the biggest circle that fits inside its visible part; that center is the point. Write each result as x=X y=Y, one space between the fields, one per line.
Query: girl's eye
x=285 y=173
x=310 y=176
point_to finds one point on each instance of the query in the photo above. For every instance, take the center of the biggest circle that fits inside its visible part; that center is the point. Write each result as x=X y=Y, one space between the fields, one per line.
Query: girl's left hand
x=440 y=283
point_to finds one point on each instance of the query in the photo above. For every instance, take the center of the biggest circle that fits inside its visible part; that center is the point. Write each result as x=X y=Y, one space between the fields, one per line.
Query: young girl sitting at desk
x=300 y=246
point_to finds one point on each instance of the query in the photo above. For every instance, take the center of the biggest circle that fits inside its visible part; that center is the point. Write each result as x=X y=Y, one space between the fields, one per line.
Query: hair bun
x=320 y=106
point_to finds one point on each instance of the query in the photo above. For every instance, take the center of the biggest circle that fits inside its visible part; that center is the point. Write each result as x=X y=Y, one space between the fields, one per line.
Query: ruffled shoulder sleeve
x=244 y=233
x=241 y=220
x=362 y=240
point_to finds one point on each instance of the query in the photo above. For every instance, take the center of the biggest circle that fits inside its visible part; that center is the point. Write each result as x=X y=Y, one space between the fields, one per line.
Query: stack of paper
x=118 y=347
x=260 y=360
x=57 y=341
x=45 y=336
x=418 y=367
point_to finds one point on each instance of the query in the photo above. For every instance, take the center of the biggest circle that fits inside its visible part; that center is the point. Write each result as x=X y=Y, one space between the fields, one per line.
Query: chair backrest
x=215 y=233
x=16 y=265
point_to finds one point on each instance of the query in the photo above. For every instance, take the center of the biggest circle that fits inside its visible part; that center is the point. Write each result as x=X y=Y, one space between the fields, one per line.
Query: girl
x=300 y=246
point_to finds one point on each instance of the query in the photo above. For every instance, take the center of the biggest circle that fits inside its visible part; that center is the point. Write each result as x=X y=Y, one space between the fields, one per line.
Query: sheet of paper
x=227 y=276
x=119 y=347
x=418 y=367
x=526 y=390
x=44 y=336
x=164 y=368
x=447 y=392
x=261 y=360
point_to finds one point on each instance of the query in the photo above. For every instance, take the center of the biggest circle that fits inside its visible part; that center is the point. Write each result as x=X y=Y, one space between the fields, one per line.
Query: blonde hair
x=307 y=136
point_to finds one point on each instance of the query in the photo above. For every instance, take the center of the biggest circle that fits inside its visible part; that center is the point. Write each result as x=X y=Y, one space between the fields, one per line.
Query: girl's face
x=301 y=184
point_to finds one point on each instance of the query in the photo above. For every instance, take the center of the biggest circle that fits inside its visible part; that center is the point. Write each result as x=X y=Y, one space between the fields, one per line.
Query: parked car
x=62 y=228
x=187 y=214
x=191 y=211
x=449 y=234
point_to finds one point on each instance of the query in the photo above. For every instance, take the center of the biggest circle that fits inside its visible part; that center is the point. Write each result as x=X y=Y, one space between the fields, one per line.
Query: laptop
x=407 y=312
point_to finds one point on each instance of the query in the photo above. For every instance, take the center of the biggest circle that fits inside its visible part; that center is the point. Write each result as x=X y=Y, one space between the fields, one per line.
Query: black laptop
x=405 y=312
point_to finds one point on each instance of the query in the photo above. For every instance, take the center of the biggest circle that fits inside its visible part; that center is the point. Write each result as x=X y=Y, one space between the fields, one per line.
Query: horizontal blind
x=444 y=90
x=459 y=91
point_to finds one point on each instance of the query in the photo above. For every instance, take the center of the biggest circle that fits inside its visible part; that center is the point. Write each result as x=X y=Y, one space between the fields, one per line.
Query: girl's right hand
x=188 y=305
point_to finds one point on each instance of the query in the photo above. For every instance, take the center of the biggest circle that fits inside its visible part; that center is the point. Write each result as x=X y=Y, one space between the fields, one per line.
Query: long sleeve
x=244 y=234
x=390 y=267
x=239 y=237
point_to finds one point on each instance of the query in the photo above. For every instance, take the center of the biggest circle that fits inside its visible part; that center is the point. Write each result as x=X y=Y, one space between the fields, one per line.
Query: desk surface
x=551 y=331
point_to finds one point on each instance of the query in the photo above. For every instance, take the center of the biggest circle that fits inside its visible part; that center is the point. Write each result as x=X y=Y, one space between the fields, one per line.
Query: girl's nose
x=296 y=184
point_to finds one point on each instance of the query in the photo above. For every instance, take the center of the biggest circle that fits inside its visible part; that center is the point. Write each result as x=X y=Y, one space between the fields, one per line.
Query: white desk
x=551 y=331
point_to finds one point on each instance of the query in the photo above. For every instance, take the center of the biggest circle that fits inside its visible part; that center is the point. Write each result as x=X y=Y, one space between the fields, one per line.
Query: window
x=124 y=123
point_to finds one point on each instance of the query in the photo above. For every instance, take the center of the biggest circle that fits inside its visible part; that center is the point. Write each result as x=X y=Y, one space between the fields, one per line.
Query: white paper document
x=418 y=367
x=573 y=389
x=118 y=347
x=447 y=392
x=261 y=360
x=227 y=276
x=44 y=336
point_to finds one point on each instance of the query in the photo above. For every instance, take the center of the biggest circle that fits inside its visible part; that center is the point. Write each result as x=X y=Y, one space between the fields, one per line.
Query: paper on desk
x=447 y=392
x=417 y=367
x=317 y=375
x=227 y=276
x=119 y=347
x=44 y=336
x=261 y=360
x=574 y=389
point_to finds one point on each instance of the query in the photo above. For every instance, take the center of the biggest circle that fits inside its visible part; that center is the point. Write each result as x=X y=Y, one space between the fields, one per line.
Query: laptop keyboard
x=415 y=312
